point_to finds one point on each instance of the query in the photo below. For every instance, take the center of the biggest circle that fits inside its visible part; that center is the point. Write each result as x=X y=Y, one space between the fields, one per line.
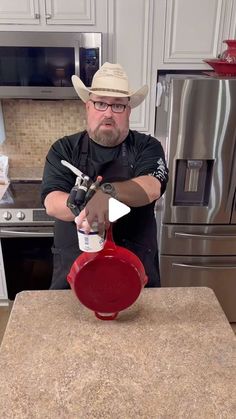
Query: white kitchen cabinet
x=190 y=30
x=165 y=34
x=131 y=45
x=3 y=285
x=15 y=11
x=72 y=12
x=232 y=31
x=43 y=14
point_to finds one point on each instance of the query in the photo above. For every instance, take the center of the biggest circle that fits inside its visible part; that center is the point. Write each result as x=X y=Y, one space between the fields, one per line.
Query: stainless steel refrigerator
x=196 y=122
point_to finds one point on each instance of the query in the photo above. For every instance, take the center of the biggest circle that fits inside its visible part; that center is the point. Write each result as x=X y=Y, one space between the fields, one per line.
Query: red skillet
x=107 y=281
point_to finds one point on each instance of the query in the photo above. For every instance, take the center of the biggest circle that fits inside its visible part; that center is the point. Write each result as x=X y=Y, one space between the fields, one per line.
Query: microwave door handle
x=77 y=59
x=209 y=267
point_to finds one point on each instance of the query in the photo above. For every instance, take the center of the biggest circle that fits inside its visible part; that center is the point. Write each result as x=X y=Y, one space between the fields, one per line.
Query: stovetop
x=22 y=194
x=21 y=203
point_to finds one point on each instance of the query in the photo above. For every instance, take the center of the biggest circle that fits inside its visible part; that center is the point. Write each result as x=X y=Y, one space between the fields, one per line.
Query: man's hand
x=96 y=210
x=134 y=192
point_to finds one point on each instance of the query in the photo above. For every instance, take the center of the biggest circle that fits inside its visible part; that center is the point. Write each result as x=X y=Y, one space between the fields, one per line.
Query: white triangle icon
x=116 y=209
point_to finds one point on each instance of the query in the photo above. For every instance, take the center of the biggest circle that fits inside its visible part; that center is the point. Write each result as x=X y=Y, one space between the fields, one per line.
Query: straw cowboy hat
x=110 y=80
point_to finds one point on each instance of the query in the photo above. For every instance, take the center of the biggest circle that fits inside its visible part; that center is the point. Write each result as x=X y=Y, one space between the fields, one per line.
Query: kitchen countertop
x=171 y=355
x=3 y=189
x=26 y=173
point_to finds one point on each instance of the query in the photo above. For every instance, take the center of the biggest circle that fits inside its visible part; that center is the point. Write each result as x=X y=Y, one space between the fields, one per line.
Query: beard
x=105 y=136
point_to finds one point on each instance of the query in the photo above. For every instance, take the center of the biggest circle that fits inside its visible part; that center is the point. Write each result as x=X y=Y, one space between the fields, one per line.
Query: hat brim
x=136 y=98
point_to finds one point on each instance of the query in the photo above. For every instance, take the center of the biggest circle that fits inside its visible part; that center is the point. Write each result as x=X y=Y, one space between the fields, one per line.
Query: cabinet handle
x=48 y=16
x=37 y=16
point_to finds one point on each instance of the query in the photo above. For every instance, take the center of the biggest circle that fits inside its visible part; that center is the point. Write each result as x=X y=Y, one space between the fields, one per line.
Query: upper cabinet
x=43 y=14
x=232 y=31
x=191 y=31
x=22 y=12
x=131 y=36
x=142 y=35
x=73 y=12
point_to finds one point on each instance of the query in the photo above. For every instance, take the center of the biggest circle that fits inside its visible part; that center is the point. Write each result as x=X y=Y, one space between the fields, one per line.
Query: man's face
x=106 y=127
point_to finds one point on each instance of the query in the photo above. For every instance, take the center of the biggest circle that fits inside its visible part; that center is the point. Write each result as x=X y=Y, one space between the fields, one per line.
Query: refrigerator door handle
x=205 y=236
x=159 y=93
x=231 y=188
x=215 y=267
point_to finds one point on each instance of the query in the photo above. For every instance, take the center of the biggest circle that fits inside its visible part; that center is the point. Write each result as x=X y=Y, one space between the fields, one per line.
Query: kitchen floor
x=6 y=310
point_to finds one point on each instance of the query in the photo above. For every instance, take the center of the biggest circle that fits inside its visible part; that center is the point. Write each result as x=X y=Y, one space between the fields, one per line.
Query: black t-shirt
x=145 y=155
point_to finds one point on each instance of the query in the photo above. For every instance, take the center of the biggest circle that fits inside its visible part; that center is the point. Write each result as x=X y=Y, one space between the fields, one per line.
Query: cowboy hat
x=110 y=80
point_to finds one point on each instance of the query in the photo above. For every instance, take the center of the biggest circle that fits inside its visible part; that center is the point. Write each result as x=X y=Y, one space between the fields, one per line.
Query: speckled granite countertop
x=26 y=173
x=171 y=355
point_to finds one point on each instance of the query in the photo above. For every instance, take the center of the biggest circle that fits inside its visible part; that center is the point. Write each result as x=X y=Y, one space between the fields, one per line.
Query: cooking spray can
x=92 y=241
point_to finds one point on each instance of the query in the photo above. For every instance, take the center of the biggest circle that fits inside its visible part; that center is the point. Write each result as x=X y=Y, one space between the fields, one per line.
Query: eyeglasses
x=103 y=106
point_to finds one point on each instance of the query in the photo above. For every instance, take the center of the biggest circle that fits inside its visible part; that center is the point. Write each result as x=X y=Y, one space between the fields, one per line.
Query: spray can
x=92 y=241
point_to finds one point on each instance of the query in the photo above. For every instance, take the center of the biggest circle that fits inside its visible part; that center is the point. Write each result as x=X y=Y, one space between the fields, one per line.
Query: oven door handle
x=25 y=233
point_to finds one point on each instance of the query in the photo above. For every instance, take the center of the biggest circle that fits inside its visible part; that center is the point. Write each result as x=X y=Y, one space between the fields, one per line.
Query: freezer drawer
x=195 y=240
x=218 y=273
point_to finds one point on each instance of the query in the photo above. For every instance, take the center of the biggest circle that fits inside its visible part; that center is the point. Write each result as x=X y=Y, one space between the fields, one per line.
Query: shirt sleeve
x=150 y=160
x=57 y=177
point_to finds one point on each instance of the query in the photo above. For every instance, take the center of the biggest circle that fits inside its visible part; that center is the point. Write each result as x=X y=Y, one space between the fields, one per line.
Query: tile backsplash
x=31 y=127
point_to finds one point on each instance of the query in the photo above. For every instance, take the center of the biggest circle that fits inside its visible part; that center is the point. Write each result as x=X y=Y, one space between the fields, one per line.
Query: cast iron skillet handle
x=110 y=244
x=109 y=233
x=104 y=316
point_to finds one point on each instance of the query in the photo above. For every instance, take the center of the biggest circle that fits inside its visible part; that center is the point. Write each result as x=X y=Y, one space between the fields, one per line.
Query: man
x=132 y=166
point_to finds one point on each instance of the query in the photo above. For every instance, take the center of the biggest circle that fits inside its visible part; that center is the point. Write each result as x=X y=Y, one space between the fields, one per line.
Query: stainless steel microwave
x=39 y=65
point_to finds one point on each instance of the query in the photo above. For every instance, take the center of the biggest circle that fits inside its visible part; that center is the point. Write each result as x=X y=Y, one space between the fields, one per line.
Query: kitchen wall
x=32 y=126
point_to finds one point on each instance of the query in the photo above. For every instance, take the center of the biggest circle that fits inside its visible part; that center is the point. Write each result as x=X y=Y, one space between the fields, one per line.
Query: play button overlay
x=116 y=209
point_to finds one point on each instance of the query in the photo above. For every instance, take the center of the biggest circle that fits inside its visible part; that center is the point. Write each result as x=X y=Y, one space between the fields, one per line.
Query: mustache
x=110 y=121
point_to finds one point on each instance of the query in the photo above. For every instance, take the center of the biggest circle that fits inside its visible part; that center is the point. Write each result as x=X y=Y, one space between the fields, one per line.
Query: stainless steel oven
x=26 y=234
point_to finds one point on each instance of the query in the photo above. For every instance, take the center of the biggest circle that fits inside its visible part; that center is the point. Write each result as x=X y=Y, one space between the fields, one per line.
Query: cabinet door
x=77 y=12
x=23 y=12
x=194 y=30
x=132 y=47
x=232 y=33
